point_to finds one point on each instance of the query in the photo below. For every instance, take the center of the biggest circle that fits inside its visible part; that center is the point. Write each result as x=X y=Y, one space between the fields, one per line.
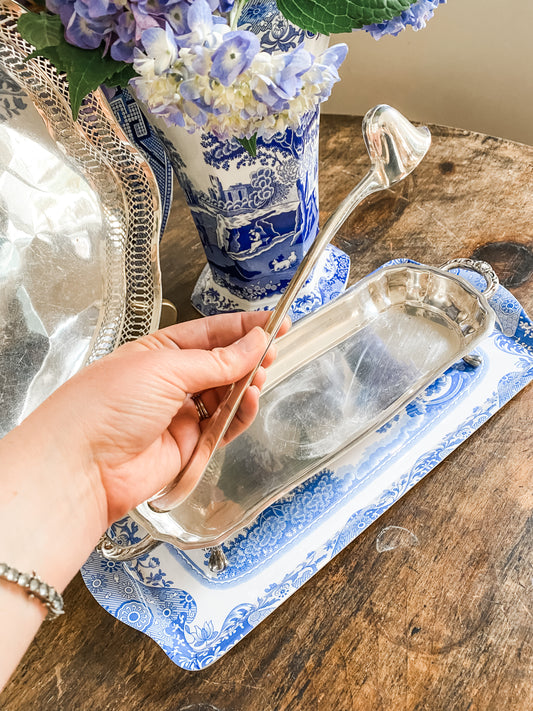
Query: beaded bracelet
x=35 y=587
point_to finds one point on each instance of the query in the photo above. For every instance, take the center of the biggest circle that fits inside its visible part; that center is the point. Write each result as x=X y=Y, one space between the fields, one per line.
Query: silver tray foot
x=473 y=359
x=217 y=560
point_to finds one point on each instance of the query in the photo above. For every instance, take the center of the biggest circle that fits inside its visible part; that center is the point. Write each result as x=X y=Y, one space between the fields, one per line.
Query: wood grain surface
x=443 y=622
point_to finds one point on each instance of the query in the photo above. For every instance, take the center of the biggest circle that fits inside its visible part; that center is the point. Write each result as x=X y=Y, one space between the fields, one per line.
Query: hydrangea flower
x=222 y=82
x=234 y=55
x=161 y=48
x=85 y=26
x=416 y=16
x=196 y=68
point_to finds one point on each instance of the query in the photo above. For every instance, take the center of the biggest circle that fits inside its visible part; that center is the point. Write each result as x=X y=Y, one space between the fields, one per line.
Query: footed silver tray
x=79 y=229
x=341 y=373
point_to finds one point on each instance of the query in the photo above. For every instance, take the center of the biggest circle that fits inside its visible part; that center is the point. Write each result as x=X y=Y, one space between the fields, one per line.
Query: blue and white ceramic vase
x=257 y=216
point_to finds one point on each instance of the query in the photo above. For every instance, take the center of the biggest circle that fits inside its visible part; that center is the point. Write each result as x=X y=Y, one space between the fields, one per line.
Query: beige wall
x=471 y=67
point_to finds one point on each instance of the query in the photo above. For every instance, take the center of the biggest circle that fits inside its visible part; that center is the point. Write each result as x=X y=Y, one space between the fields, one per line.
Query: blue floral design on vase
x=257 y=216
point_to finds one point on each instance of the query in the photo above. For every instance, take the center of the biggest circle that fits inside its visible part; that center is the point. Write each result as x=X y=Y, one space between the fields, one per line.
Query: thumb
x=196 y=370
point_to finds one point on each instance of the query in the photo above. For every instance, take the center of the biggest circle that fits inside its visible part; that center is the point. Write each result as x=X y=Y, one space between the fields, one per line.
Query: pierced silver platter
x=79 y=230
x=341 y=373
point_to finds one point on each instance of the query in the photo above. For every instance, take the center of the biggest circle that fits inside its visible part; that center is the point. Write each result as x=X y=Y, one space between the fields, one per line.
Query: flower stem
x=235 y=13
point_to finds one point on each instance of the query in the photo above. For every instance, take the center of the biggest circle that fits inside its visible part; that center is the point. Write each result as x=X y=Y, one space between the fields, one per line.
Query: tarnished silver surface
x=341 y=373
x=114 y=551
x=217 y=560
x=79 y=229
x=395 y=148
x=475 y=265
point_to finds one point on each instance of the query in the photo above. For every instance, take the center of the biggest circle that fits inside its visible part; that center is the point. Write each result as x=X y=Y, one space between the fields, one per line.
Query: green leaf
x=40 y=30
x=249 y=145
x=332 y=16
x=96 y=70
x=86 y=70
x=122 y=76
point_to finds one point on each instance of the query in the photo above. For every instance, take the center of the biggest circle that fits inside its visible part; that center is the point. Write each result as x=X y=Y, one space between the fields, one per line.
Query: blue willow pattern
x=141 y=594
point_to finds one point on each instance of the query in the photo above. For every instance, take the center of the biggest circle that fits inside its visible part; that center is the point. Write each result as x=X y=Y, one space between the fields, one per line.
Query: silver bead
x=23 y=579
x=35 y=587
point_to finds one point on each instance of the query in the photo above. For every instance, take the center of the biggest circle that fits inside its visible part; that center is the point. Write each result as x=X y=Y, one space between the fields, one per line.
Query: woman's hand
x=109 y=438
x=132 y=411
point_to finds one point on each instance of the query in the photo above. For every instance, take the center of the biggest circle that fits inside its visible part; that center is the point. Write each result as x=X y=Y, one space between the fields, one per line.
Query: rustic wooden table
x=446 y=624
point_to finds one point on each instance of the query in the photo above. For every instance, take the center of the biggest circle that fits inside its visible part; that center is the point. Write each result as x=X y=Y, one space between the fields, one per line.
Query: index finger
x=216 y=331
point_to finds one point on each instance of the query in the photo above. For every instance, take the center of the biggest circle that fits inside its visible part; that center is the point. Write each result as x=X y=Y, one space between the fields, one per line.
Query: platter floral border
x=196 y=617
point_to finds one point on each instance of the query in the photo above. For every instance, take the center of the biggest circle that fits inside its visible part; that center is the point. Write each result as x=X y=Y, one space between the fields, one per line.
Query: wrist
x=51 y=509
x=52 y=513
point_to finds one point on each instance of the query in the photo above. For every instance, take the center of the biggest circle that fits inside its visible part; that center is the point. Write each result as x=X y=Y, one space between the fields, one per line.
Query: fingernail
x=252 y=340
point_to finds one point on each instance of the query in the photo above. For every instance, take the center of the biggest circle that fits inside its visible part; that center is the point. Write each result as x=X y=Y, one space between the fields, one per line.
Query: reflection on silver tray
x=341 y=373
x=79 y=227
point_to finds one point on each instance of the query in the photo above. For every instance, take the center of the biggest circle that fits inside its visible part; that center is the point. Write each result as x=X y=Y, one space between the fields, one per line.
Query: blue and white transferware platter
x=195 y=617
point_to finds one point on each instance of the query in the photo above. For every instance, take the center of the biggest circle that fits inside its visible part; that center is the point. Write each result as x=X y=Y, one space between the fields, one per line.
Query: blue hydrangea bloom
x=117 y=25
x=160 y=44
x=416 y=16
x=296 y=64
x=96 y=8
x=124 y=43
x=194 y=69
x=81 y=28
x=199 y=17
x=234 y=55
